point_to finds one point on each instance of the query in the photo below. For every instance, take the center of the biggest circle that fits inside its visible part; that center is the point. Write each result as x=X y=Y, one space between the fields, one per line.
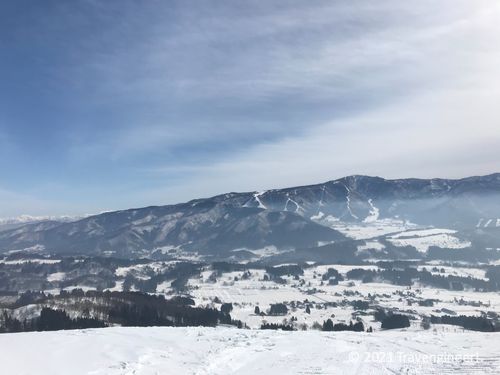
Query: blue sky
x=116 y=104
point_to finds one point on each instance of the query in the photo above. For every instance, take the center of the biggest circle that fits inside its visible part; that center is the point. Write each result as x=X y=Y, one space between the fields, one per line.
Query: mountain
x=211 y=225
x=356 y=199
x=15 y=222
x=291 y=218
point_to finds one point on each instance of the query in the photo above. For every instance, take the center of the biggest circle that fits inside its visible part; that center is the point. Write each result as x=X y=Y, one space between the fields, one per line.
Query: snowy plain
x=196 y=350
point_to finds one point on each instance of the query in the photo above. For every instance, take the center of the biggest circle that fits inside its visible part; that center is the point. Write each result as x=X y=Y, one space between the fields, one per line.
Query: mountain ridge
x=288 y=218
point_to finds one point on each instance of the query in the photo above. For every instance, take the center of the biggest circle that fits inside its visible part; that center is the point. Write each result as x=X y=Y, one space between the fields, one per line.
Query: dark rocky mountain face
x=289 y=218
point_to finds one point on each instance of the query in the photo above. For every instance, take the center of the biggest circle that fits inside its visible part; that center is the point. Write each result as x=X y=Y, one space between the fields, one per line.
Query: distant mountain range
x=290 y=218
x=14 y=222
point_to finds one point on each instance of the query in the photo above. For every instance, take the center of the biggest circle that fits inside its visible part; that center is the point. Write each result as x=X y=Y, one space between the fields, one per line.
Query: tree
x=257 y=310
x=426 y=323
x=226 y=308
x=278 y=309
x=395 y=321
x=328 y=325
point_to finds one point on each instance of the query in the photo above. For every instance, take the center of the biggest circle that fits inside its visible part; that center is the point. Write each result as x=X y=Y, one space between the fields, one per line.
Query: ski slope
x=140 y=351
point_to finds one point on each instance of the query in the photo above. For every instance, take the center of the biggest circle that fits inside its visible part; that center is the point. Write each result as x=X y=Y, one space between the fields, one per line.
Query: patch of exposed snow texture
x=323 y=243
x=424 y=239
x=118 y=286
x=374 y=213
x=423 y=233
x=144 y=220
x=332 y=219
x=320 y=203
x=32 y=249
x=488 y=223
x=37 y=261
x=198 y=350
x=263 y=252
x=371 y=245
x=256 y=196
x=363 y=231
x=26 y=219
x=297 y=206
x=456 y=271
x=56 y=276
x=318 y=216
x=349 y=203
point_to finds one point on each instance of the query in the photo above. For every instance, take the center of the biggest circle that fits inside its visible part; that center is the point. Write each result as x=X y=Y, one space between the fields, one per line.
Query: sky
x=110 y=105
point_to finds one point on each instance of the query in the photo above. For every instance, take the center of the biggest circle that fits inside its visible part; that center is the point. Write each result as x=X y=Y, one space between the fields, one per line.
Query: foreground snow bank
x=228 y=351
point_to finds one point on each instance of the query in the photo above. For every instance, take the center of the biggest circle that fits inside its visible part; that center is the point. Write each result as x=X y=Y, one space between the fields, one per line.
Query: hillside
x=291 y=218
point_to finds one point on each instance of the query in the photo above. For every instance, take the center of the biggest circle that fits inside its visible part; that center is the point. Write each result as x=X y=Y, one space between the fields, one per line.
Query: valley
x=361 y=266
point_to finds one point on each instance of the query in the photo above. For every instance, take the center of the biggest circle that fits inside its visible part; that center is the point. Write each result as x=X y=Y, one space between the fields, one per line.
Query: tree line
x=96 y=309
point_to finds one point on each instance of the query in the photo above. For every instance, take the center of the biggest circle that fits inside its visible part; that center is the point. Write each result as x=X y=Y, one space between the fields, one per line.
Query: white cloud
x=285 y=94
x=447 y=127
x=293 y=58
x=426 y=137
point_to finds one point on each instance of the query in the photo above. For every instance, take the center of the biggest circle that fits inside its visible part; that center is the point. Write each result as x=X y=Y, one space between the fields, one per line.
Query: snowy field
x=141 y=351
x=246 y=294
x=399 y=233
x=423 y=239
x=370 y=229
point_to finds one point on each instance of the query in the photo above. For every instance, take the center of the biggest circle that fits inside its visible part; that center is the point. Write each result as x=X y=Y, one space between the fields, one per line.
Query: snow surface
x=39 y=261
x=290 y=200
x=259 y=202
x=424 y=239
x=374 y=213
x=424 y=232
x=154 y=350
x=349 y=203
x=375 y=245
x=56 y=276
x=488 y=223
x=476 y=273
x=262 y=253
x=26 y=219
x=246 y=293
x=318 y=216
x=363 y=231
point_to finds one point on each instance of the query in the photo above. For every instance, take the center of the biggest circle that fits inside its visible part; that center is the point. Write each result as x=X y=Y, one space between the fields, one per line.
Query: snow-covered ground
x=456 y=271
x=141 y=351
x=398 y=232
x=423 y=239
x=248 y=289
x=247 y=293
x=38 y=261
x=370 y=228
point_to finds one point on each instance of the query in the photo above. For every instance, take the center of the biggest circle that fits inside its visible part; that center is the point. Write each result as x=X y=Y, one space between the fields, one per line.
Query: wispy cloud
x=427 y=137
x=229 y=72
x=165 y=101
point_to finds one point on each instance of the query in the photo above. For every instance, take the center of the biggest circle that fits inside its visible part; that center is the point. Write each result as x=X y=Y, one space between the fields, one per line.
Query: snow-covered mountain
x=288 y=218
x=15 y=222
x=453 y=203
